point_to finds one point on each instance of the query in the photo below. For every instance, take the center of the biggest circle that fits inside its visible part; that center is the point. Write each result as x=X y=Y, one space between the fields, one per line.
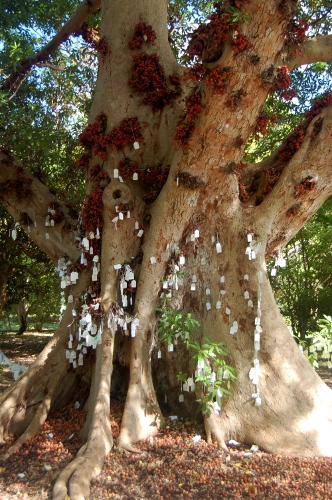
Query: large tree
x=167 y=190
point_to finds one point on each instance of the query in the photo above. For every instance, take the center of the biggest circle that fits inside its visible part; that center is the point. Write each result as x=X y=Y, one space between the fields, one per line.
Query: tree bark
x=277 y=401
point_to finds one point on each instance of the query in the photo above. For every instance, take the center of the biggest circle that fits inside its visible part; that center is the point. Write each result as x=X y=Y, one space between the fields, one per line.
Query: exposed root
x=132 y=449
x=142 y=416
x=214 y=430
x=76 y=477
x=36 y=423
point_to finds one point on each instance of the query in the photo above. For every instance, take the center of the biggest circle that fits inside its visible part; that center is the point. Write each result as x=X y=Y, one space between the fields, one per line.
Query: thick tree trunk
x=277 y=401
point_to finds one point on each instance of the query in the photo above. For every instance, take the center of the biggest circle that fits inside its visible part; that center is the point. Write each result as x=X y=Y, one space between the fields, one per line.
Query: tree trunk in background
x=22 y=316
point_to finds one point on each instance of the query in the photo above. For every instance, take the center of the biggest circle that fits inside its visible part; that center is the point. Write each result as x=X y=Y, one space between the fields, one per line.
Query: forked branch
x=316 y=49
x=27 y=200
x=303 y=186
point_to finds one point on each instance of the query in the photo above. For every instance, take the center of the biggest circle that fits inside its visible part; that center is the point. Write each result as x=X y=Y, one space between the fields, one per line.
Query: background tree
x=166 y=186
x=303 y=288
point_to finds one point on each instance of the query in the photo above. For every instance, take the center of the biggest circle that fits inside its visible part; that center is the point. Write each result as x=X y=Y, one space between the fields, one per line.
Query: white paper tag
x=136 y=145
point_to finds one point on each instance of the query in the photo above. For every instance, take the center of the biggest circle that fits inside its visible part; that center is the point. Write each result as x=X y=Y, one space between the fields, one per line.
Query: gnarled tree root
x=76 y=477
x=34 y=426
x=214 y=429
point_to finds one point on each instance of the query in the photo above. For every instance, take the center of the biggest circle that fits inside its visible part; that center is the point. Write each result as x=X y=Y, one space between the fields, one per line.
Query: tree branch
x=291 y=202
x=71 y=26
x=316 y=49
x=22 y=193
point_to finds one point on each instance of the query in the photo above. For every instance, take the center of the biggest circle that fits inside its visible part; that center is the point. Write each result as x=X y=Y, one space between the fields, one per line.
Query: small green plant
x=321 y=340
x=213 y=375
x=237 y=16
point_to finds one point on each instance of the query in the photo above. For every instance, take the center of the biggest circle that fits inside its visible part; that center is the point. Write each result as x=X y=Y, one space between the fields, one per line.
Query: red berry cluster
x=217 y=78
x=210 y=34
x=296 y=35
x=128 y=167
x=153 y=179
x=126 y=133
x=98 y=176
x=154 y=176
x=175 y=80
x=102 y=48
x=283 y=82
x=272 y=175
x=289 y=94
x=292 y=144
x=299 y=31
x=58 y=216
x=197 y=73
x=243 y=194
x=91 y=136
x=92 y=209
x=148 y=79
x=83 y=161
x=285 y=153
x=319 y=104
x=308 y=184
x=186 y=124
x=294 y=210
x=263 y=124
x=240 y=43
x=143 y=33
x=91 y=36
x=238 y=169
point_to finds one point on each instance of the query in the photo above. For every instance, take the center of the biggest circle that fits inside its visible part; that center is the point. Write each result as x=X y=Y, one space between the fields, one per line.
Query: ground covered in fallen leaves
x=177 y=463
